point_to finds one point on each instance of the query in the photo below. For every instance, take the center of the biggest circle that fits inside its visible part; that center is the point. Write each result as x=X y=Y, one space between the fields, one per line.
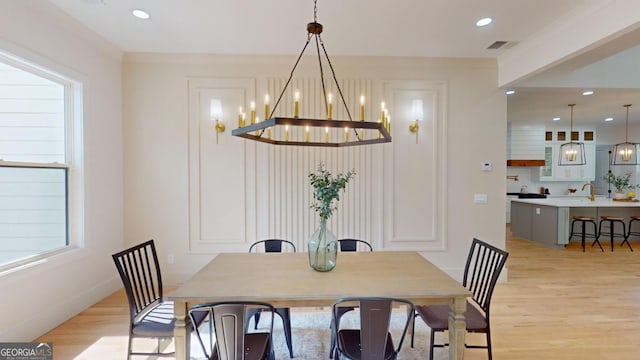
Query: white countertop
x=578 y=201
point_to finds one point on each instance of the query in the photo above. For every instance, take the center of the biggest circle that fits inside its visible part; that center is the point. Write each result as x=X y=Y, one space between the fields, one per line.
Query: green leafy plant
x=621 y=182
x=326 y=189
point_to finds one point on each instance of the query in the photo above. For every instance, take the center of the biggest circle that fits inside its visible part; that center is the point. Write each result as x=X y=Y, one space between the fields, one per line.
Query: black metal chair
x=150 y=315
x=484 y=264
x=231 y=342
x=354 y=245
x=372 y=341
x=276 y=245
x=347 y=245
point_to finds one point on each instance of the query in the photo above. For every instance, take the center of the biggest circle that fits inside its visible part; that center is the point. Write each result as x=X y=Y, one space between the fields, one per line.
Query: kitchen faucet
x=592 y=197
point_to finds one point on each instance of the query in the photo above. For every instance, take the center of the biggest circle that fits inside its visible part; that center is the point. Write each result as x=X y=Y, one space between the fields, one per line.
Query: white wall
x=155 y=113
x=156 y=127
x=37 y=298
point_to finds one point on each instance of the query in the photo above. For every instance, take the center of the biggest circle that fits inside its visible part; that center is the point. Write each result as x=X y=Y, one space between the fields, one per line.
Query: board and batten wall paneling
x=288 y=193
x=242 y=191
x=220 y=201
x=415 y=204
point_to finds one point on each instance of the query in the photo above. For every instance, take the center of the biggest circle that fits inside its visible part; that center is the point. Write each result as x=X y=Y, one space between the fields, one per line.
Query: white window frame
x=73 y=119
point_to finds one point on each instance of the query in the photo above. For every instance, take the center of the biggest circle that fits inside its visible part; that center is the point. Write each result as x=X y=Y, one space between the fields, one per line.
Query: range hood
x=525 y=145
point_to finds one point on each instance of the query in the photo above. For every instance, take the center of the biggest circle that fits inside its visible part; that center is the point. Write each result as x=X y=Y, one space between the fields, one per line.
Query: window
x=36 y=160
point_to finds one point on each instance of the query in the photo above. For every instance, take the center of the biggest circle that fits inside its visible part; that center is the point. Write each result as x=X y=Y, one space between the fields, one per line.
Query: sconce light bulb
x=418 y=110
x=215 y=109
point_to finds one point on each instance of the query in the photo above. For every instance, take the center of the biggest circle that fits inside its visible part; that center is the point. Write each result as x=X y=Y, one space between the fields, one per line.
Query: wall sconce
x=418 y=115
x=216 y=115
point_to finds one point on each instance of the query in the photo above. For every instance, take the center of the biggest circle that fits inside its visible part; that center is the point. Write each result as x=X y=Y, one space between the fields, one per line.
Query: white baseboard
x=39 y=321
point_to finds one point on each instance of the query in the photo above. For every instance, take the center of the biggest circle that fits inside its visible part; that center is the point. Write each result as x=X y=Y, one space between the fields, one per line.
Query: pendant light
x=572 y=153
x=625 y=153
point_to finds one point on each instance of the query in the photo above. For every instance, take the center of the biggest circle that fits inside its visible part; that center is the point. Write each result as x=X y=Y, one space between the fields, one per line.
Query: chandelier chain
x=319 y=43
x=315 y=10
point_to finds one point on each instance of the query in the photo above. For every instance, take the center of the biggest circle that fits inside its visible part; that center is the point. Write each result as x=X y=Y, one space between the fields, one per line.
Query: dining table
x=287 y=280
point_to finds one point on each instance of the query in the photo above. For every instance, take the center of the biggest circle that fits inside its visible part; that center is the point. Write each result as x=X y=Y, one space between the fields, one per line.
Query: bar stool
x=612 y=220
x=584 y=220
x=635 y=233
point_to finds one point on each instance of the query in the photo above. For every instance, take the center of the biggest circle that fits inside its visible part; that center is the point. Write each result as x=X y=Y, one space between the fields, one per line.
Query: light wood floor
x=557 y=304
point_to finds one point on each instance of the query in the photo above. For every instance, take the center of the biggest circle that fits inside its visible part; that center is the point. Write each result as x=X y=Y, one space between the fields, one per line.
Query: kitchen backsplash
x=528 y=176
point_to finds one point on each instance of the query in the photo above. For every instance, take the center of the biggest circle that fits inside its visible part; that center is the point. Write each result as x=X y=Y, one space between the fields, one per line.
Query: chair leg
x=624 y=232
x=332 y=348
x=626 y=238
x=256 y=319
x=431 y=340
x=285 y=315
x=572 y=232
x=611 y=234
x=129 y=348
x=413 y=329
x=334 y=328
x=197 y=330
x=489 y=343
x=597 y=240
x=584 y=225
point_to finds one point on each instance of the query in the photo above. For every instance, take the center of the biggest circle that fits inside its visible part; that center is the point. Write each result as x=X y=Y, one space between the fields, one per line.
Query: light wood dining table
x=286 y=280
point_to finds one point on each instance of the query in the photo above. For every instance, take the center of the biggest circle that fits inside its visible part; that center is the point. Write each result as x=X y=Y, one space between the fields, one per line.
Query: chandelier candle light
x=314 y=132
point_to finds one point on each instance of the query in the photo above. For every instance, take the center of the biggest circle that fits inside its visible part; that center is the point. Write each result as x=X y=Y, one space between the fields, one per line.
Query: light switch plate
x=480 y=198
x=486 y=166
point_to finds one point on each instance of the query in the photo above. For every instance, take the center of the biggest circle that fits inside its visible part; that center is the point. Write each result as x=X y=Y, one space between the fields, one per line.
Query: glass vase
x=323 y=248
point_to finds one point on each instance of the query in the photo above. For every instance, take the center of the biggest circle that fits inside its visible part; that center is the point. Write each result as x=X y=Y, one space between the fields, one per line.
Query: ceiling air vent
x=501 y=45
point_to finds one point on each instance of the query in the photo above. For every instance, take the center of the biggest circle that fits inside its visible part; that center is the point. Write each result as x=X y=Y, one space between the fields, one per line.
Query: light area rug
x=311 y=335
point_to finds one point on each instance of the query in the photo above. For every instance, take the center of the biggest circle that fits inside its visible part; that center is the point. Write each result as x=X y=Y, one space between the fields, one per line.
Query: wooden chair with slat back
x=372 y=341
x=150 y=315
x=481 y=272
x=277 y=246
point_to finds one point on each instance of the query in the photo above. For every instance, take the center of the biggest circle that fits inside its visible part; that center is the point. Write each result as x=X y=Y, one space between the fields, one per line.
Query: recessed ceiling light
x=484 y=22
x=608 y=119
x=140 y=14
x=555 y=119
x=509 y=92
x=587 y=92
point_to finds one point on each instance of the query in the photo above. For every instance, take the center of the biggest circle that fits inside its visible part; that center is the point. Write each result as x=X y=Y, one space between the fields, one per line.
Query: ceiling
x=532 y=105
x=434 y=28
x=430 y=28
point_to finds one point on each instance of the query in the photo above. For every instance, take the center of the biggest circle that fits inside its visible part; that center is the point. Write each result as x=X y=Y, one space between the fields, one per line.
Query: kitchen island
x=548 y=221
